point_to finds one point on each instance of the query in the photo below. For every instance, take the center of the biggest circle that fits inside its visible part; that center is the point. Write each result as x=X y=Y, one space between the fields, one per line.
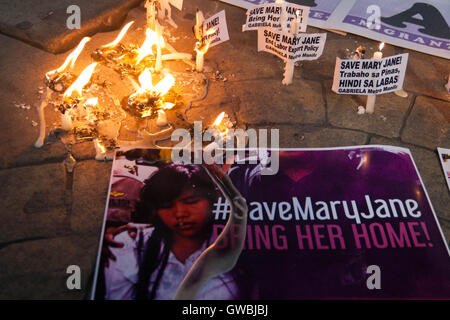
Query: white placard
x=303 y=46
x=177 y=4
x=370 y=76
x=270 y=15
x=218 y=22
x=444 y=156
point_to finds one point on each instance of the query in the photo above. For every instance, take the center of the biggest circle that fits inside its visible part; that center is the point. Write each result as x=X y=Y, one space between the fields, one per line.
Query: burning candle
x=201 y=46
x=358 y=53
x=199 y=58
x=81 y=81
x=370 y=104
x=146 y=48
x=289 y=66
x=56 y=85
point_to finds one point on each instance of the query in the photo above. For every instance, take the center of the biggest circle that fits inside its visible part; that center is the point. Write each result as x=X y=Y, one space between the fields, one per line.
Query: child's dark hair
x=163 y=187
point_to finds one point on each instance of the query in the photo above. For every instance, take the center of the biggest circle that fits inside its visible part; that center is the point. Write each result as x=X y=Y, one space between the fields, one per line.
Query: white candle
x=289 y=66
x=283 y=18
x=159 y=44
x=176 y=56
x=40 y=141
x=161 y=121
x=199 y=61
x=66 y=121
x=370 y=103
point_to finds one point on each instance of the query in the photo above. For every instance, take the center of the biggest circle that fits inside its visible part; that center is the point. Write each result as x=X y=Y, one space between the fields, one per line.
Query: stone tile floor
x=52 y=216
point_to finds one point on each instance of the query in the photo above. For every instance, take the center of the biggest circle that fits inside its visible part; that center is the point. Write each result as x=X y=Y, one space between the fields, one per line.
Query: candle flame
x=72 y=57
x=168 y=105
x=151 y=39
x=145 y=80
x=165 y=84
x=210 y=31
x=161 y=88
x=119 y=37
x=381 y=46
x=219 y=119
x=81 y=81
x=221 y=124
x=203 y=49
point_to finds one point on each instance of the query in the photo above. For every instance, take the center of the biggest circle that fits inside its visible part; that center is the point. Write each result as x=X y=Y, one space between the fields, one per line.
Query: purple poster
x=421 y=26
x=338 y=223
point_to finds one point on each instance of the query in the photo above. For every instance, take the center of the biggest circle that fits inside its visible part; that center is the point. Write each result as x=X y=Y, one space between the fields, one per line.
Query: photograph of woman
x=151 y=260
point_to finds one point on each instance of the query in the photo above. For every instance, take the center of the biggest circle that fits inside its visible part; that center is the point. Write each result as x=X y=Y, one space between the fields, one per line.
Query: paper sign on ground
x=303 y=46
x=418 y=25
x=370 y=76
x=271 y=15
x=218 y=22
x=444 y=156
x=177 y=4
x=317 y=229
x=319 y=14
x=409 y=23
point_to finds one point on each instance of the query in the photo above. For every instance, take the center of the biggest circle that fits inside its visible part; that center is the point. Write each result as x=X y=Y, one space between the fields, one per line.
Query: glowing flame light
x=119 y=37
x=168 y=105
x=72 y=57
x=165 y=84
x=220 y=125
x=381 y=46
x=145 y=80
x=81 y=81
x=219 y=119
x=203 y=49
x=151 y=39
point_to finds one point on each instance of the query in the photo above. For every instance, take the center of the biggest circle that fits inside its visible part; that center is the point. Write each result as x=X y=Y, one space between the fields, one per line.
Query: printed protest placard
x=303 y=46
x=444 y=156
x=219 y=30
x=316 y=229
x=370 y=76
x=272 y=15
x=319 y=13
x=409 y=23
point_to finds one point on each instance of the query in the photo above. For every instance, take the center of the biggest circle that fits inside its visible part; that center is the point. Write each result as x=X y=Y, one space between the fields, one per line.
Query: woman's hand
x=109 y=242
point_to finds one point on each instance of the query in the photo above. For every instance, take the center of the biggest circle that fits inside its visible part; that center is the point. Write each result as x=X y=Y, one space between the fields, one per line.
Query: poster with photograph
x=334 y=223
